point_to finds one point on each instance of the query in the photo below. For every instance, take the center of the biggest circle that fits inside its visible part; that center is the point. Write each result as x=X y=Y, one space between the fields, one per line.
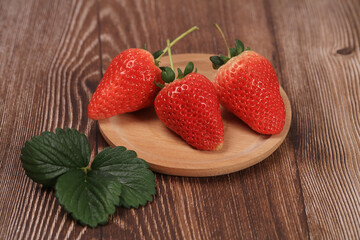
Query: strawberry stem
x=218 y=61
x=168 y=74
x=175 y=41
x=223 y=36
x=169 y=53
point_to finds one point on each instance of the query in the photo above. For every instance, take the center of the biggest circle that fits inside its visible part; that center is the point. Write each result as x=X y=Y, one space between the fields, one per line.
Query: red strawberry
x=190 y=107
x=247 y=85
x=127 y=85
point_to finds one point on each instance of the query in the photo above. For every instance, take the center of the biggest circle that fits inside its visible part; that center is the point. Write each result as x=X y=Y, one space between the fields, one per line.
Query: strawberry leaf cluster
x=168 y=75
x=90 y=193
x=220 y=60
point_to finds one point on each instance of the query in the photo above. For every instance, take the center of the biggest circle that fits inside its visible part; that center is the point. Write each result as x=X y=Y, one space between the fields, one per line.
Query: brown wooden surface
x=52 y=56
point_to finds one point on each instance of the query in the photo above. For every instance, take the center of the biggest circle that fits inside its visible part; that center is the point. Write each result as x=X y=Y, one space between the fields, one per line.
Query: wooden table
x=53 y=54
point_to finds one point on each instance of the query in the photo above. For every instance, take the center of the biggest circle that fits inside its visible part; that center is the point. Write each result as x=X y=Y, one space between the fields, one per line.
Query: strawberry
x=247 y=86
x=190 y=107
x=128 y=83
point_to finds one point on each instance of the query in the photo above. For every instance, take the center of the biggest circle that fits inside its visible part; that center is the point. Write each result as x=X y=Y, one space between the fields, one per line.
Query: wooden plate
x=167 y=153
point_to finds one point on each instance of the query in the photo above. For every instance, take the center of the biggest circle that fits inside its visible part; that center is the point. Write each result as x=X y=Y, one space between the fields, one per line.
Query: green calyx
x=168 y=74
x=157 y=54
x=218 y=61
x=188 y=69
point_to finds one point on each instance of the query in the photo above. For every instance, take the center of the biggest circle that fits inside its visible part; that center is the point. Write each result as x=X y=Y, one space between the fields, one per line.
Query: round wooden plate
x=167 y=153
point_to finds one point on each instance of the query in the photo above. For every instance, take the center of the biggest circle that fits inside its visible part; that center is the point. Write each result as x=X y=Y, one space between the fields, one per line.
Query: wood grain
x=50 y=65
x=327 y=119
x=52 y=56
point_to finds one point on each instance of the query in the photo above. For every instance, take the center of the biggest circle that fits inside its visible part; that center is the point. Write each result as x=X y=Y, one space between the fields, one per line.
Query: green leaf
x=157 y=54
x=168 y=75
x=189 y=68
x=89 y=197
x=247 y=49
x=48 y=156
x=138 y=182
x=239 y=46
x=90 y=194
x=180 y=73
x=224 y=58
x=159 y=84
x=216 y=61
x=233 y=52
